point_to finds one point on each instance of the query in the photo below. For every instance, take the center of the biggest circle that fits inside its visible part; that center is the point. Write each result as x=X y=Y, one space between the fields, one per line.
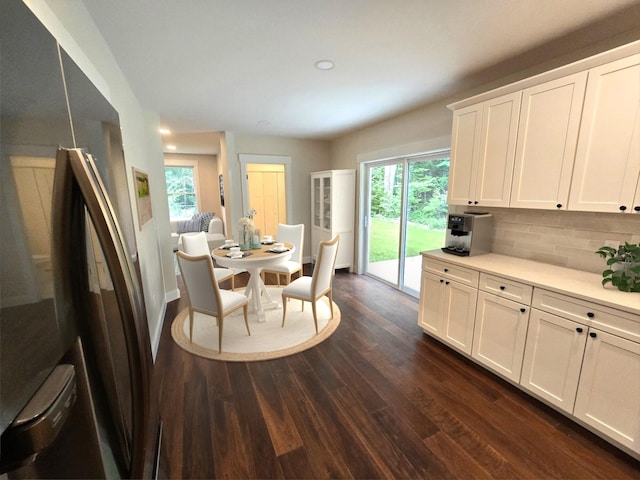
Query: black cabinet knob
x=446 y=270
x=502 y=287
x=593 y=334
x=559 y=205
x=623 y=208
x=469 y=202
x=476 y=202
x=523 y=310
x=591 y=314
x=446 y=283
x=637 y=208
x=441 y=280
x=579 y=329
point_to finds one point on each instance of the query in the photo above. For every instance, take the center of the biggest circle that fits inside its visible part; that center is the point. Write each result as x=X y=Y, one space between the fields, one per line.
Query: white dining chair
x=293 y=234
x=196 y=244
x=205 y=296
x=310 y=289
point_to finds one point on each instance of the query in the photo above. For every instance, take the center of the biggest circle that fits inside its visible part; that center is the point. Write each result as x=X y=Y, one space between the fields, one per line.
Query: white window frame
x=196 y=179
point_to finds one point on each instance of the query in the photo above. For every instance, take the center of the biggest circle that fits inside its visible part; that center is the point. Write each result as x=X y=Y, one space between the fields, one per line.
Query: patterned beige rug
x=268 y=340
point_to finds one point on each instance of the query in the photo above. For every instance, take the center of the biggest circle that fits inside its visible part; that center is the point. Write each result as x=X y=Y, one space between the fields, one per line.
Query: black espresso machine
x=469 y=234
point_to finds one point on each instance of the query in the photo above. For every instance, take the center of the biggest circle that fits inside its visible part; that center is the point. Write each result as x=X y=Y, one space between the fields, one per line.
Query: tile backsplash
x=568 y=239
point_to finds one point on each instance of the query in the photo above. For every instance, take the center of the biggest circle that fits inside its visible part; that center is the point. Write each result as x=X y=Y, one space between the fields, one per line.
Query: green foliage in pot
x=623 y=265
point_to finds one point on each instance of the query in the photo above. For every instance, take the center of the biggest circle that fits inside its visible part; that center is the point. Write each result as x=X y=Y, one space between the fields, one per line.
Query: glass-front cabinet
x=332 y=212
x=326 y=202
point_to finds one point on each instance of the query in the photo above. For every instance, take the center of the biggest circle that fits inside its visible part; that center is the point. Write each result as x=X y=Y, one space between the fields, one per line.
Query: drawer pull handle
x=523 y=310
x=591 y=314
x=623 y=208
x=502 y=287
x=579 y=329
x=593 y=334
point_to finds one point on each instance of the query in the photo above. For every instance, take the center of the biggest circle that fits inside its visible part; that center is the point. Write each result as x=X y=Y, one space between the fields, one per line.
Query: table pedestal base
x=258 y=294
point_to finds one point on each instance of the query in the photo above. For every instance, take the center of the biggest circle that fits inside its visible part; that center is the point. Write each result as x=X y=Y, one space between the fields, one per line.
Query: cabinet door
x=315 y=201
x=499 y=334
x=497 y=151
x=607 y=163
x=636 y=202
x=458 y=315
x=431 y=303
x=609 y=391
x=547 y=136
x=326 y=203
x=465 y=144
x=553 y=357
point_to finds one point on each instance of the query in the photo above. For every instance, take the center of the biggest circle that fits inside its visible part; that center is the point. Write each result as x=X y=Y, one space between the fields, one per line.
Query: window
x=407 y=211
x=182 y=196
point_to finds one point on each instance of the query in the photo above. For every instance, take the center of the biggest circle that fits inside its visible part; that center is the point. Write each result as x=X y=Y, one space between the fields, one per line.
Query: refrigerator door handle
x=42 y=418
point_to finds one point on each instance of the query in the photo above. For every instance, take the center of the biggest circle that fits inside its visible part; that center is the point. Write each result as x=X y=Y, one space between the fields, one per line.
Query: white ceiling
x=248 y=65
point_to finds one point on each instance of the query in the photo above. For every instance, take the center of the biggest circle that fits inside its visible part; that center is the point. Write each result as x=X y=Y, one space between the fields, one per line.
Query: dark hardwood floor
x=378 y=399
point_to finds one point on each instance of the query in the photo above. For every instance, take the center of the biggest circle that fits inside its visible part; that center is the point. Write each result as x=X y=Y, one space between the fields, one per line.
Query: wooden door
x=267 y=195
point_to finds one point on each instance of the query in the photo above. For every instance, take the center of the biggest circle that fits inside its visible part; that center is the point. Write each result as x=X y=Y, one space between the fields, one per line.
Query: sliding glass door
x=406 y=211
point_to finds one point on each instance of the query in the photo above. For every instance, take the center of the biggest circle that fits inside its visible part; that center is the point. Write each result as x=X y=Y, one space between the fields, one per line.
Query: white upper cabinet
x=547 y=137
x=483 y=150
x=607 y=165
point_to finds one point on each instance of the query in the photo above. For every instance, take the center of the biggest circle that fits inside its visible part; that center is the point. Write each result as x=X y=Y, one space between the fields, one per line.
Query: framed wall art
x=143 y=196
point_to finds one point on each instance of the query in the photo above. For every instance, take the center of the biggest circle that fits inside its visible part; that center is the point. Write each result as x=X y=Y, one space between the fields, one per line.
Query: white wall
x=71 y=25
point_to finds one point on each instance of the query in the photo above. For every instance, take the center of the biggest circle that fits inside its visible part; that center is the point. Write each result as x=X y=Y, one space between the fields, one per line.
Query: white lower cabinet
x=609 y=388
x=447 y=310
x=580 y=357
x=499 y=334
x=553 y=357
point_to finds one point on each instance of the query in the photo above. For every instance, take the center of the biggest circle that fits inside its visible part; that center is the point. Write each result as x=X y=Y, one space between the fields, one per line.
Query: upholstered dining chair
x=196 y=244
x=205 y=296
x=293 y=234
x=310 y=289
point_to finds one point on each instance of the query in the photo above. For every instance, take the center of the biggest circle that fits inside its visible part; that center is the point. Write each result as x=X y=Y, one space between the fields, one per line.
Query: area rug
x=268 y=340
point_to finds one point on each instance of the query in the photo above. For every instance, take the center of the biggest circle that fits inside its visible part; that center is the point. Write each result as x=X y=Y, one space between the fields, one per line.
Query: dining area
x=255 y=306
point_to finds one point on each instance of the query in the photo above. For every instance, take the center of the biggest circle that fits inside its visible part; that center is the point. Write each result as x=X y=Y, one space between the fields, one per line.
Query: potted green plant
x=623 y=265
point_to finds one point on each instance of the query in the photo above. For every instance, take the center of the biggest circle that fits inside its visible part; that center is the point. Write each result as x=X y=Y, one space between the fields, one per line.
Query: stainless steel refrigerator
x=76 y=397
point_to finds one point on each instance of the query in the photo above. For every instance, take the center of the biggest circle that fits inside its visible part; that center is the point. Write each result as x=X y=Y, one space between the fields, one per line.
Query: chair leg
x=233 y=282
x=246 y=317
x=190 y=325
x=220 y=327
x=278 y=277
x=285 y=300
x=331 y=301
x=315 y=314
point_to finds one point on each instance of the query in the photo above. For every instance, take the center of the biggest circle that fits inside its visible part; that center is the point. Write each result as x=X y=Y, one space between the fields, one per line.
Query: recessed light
x=171 y=147
x=165 y=131
x=324 y=64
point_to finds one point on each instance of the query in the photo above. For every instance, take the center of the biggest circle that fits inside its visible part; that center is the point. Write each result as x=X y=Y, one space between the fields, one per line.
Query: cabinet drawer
x=516 y=291
x=608 y=319
x=452 y=272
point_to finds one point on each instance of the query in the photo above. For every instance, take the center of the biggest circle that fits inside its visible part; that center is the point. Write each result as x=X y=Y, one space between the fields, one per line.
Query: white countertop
x=584 y=285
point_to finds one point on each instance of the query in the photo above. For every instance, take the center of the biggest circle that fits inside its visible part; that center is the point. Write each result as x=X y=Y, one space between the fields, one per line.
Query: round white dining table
x=254 y=263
